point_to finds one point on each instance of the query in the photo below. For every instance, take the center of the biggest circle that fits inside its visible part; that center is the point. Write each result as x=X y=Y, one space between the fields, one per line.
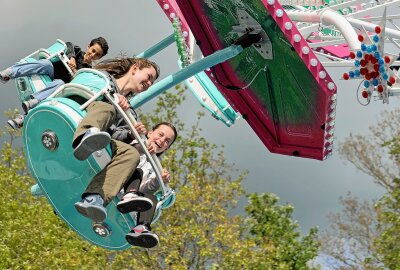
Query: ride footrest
x=36 y=191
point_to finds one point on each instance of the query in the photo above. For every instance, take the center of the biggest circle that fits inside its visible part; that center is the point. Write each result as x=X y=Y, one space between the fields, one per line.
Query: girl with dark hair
x=143 y=183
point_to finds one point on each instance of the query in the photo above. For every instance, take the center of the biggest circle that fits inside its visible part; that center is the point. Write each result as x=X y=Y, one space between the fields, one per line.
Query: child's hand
x=123 y=102
x=165 y=176
x=72 y=64
x=140 y=128
x=152 y=147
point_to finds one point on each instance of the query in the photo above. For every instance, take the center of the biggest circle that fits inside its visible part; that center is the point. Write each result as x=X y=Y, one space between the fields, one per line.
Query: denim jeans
x=40 y=67
x=50 y=89
x=125 y=158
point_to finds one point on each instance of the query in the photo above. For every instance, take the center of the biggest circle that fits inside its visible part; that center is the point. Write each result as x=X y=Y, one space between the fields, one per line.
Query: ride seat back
x=26 y=86
x=85 y=84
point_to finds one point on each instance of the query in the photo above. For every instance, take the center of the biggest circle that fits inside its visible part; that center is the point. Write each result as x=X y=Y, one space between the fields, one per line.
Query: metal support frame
x=157 y=47
x=183 y=74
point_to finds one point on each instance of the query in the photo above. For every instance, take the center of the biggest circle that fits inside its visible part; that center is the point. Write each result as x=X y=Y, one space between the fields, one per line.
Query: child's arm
x=151 y=185
x=72 y=50
x=121 y=131
x=71 y=53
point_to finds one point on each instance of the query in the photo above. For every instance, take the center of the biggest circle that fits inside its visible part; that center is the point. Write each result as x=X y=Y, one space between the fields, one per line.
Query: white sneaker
x=5 y=75
x=92 y=141
x=133 y=202
x=17 y=122
x=29 y=104
x=142 y=236
x=92 y=206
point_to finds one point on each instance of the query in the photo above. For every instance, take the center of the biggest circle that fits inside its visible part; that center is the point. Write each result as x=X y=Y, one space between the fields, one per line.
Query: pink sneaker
x=142 y=236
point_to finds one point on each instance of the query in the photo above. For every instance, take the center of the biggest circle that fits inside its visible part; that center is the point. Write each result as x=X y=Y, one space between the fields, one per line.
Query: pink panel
x=278 y=139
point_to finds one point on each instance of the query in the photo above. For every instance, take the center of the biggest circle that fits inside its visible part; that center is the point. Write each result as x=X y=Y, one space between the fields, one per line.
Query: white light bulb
x=305 y=50
x=288 y=25
x=313 y=62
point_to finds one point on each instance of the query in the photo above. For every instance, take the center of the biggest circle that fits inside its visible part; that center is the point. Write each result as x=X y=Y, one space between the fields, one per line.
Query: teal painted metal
x=47 y=137
x=58 y=47
x=26 y=86
x=225 y=112
x=158 y=47
x=36 y=191
x=219 y=107
x=91 y=78
x=183 y=74
x=61 y=177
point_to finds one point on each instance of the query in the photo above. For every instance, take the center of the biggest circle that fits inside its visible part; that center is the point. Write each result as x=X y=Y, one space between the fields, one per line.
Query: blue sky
x=312 y=187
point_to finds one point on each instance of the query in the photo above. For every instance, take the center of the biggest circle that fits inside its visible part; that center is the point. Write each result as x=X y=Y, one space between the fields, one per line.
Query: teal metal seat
x=61 y=178
x=47 y=136
x=86 y=83
x=26 y=86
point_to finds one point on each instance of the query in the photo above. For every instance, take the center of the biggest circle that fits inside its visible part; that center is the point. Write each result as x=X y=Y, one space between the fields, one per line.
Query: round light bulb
x=288 y=25
x=279 y=13
x=313 y=62
x=322 y=74
x=331 y=86
x=305 y=50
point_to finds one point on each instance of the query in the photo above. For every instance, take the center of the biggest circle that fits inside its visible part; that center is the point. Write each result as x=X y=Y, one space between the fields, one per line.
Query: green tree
x=372 y=227
x=275 y=233
x=32 y=236
x=389 y=221
x=197 y=232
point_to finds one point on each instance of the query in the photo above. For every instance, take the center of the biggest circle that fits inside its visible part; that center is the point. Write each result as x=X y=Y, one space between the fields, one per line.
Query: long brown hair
x=118 y=67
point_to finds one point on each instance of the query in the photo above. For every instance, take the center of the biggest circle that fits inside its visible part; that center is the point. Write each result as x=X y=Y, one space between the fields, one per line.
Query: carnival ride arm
x=330 y=17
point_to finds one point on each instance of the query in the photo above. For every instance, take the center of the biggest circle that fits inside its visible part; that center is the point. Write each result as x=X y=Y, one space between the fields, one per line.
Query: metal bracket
x=248 y=25
x=101 y=229
x=50 y=140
